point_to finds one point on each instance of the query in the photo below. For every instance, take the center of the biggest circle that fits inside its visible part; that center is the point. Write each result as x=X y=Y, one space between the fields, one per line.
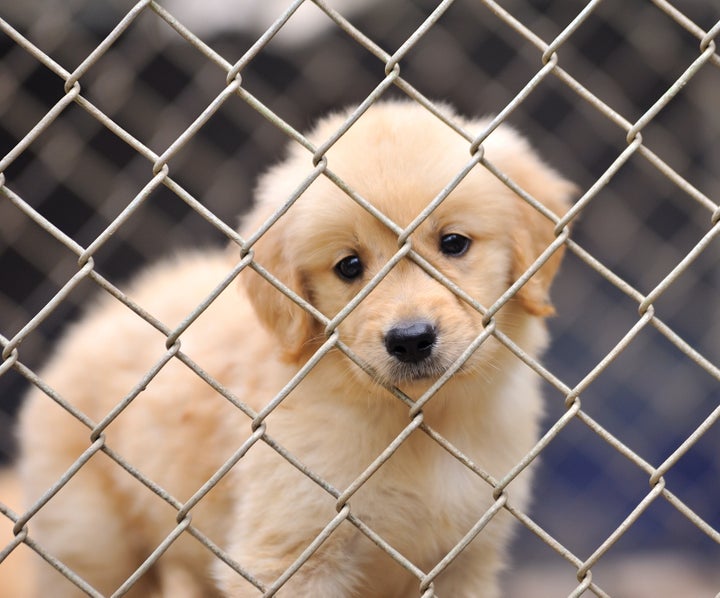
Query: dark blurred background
x=153 y=83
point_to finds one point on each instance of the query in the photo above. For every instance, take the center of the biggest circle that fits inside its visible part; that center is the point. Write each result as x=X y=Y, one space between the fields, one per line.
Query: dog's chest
x=424 y=501
x=459 y=493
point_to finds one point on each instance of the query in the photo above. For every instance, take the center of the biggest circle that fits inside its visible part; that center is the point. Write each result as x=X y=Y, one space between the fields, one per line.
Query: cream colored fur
x=252 y=340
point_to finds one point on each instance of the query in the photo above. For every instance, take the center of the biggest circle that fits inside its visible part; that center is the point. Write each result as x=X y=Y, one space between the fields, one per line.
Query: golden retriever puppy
x=178 y=430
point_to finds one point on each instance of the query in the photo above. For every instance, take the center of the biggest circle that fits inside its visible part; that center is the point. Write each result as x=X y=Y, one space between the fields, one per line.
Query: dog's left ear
x=291 y=325
x=533 y=232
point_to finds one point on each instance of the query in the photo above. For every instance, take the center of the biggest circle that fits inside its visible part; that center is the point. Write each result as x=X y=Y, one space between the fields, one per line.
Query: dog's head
x=482 y=237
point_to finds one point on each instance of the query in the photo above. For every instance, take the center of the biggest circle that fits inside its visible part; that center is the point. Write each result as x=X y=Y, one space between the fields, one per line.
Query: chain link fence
x=130 y=130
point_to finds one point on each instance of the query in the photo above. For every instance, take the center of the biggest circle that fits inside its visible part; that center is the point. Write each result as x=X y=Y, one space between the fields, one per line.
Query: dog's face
x=410 y=328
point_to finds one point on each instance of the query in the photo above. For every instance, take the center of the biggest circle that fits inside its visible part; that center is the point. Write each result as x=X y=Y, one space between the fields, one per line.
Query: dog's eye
x=454 y=245
x=349 y=268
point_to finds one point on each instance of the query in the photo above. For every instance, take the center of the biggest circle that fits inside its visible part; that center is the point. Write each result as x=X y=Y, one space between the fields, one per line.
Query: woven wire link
x=160 y=173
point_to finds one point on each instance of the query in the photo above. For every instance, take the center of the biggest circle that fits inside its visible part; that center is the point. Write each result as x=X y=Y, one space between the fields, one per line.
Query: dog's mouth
x=402 y=373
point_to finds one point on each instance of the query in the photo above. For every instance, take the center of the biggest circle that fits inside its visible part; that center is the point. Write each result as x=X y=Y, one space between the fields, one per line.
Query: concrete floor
x=649 y=575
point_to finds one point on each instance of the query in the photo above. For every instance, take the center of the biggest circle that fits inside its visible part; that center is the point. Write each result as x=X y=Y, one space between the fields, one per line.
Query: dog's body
x=179 y=431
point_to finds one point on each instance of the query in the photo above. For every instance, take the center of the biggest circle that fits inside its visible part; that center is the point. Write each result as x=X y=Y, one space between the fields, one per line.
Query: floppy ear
x=291 y=325
x=533 y=232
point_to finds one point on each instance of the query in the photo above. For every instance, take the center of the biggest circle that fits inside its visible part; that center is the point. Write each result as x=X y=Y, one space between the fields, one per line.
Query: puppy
x=407 y=331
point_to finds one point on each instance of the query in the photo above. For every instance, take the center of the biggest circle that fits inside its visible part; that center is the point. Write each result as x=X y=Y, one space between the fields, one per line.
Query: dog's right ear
x=533 y=233
x=290 y=324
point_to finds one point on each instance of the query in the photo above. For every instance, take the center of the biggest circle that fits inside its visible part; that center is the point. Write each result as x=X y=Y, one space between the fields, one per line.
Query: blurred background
x=154 y=83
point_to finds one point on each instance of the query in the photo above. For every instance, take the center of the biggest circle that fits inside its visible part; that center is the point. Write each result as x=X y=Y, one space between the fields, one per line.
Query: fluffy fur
x=179 y=431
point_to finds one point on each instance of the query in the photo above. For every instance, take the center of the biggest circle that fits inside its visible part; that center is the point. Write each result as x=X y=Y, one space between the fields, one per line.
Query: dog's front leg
x=333 y=570
x=472 y=575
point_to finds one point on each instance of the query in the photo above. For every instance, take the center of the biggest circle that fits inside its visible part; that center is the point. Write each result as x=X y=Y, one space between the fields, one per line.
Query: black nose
x=411 y=342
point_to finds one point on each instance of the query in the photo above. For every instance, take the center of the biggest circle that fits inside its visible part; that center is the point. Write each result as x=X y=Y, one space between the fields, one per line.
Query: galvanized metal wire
x=160 y=173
